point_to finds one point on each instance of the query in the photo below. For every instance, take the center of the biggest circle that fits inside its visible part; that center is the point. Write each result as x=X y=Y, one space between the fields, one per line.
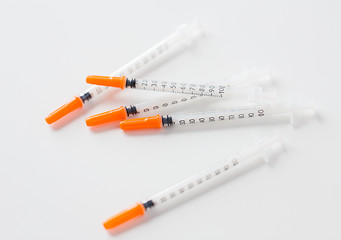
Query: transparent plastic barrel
x=183 y=88
x=245 y=113
x=264 y=149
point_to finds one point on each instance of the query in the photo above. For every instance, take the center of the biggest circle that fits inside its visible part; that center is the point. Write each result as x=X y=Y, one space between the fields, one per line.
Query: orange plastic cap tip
x=64 y=110
x=124 y=216
x=141 y=123
x=118 y=82
x=106 y=117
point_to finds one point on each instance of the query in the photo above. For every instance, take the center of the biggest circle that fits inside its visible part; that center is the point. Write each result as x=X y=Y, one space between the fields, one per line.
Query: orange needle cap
x=64 y=110
x=106 y=117
x=141 y=123
x=119 y=82
x=124 y=216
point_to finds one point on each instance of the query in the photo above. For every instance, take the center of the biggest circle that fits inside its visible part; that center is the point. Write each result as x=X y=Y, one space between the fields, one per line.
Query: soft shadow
x=143 y=132
x=207 y=127
x=105 y=127
x=136 y=222
x=67 y=119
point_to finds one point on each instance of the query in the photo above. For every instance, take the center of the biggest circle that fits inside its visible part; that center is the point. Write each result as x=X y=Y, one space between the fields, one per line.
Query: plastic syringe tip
x=64 y=110
x=106 y=117
x=142 y=123
x=118 y=82
x=124 y=216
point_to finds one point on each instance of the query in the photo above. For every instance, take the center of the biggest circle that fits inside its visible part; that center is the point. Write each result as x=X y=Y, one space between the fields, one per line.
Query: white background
x=61 y=183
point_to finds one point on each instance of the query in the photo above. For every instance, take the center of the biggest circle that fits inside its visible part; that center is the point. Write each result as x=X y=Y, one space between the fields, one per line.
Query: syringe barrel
x=264 y=149
x=183 y=88
x=183 y=35
x=243 y=113
x=209 y=90
x=224 y=115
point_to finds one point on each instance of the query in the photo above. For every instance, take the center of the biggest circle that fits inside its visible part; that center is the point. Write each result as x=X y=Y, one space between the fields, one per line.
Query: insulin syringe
x=184 y=35
x=255 y=75
x=242 y=114
x=264 y=149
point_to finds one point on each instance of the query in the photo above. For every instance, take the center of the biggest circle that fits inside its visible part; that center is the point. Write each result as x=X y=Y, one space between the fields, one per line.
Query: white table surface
x=61 y=183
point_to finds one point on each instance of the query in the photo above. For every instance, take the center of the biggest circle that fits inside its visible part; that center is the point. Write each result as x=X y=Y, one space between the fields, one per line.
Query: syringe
x=263 y=150
x=289 y=109
x=121 y=113
x=211 y=90
x=183 y=35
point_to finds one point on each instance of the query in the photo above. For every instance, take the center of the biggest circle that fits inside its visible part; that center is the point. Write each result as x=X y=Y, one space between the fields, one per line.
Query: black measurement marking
x=188 y=89
x=98 y=90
